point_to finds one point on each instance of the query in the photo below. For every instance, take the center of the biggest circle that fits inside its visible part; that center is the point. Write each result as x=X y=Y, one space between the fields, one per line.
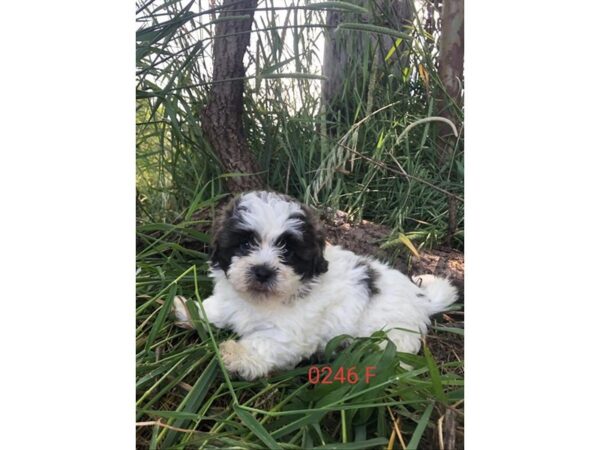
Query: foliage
x=375 y=172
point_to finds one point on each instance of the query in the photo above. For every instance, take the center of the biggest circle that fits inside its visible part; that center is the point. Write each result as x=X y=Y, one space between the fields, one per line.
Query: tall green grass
x=376 y=172
x=366 y=164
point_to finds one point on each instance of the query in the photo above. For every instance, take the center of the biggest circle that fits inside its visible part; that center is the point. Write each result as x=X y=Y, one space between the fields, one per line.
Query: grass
x=379 y=160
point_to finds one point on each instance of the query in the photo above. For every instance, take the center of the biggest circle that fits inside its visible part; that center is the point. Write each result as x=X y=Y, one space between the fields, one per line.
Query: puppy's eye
x=286 y=245
x=286 y=251
x=245 y=245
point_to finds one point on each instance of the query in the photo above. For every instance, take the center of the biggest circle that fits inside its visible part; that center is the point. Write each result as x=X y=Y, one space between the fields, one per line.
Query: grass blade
x=158 y=323
x=436 y=379
x=256 y=428
x=413 y=444
x=376 y=442
x=192 y=401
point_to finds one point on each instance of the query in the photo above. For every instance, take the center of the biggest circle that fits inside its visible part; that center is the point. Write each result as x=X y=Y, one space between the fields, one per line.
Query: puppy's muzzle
x=262 y=274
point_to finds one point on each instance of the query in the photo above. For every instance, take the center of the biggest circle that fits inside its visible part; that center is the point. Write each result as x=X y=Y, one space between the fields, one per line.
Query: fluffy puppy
x=286 y=293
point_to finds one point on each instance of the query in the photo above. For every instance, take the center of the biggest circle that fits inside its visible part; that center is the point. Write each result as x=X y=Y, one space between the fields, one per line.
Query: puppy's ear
x=320 y=263
x=214 y=256
x=316 y=236
x=219 y=256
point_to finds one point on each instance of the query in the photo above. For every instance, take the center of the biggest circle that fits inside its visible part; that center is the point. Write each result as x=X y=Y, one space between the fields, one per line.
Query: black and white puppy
x=286 y=293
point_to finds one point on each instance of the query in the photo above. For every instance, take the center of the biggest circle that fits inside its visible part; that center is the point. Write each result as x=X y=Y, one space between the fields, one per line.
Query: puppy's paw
x=238 y=360
x=182 y=317
x=231 y=354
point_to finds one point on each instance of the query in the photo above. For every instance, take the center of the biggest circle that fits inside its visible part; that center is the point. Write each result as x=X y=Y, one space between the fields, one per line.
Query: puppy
x=286 y=293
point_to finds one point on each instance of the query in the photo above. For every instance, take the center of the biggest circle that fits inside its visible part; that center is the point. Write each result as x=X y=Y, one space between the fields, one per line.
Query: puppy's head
x=268 y=245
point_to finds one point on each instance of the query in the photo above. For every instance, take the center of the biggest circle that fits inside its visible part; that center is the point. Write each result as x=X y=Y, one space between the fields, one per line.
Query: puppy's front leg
x=254 y=356
x=213 y=309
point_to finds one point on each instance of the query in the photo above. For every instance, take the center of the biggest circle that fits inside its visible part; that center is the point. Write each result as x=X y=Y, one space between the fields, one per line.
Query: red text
x=326 y=375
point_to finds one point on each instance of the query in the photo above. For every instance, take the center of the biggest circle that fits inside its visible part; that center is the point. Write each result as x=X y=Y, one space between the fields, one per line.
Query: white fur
x=295 y=320
x=268 y=213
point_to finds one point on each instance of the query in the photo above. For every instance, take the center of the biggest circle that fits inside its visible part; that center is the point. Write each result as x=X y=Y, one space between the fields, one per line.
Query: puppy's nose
x=262 y=273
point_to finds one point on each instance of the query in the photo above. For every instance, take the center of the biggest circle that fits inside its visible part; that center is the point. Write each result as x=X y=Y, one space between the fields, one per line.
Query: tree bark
x=344 y=50
x=222 y=121
x=451 y=75
x=451 y=59
x=452 y=47
x=335 y=59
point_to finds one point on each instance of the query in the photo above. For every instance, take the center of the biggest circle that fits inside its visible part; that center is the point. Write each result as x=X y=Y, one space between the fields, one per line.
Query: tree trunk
x=344 y=51
x=335 y=59
x=451 y=74
x=451 y=61
x=452 y=47
x=222 y=117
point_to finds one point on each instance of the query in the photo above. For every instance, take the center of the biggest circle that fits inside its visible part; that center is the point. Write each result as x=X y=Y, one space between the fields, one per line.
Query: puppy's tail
x=439 y=291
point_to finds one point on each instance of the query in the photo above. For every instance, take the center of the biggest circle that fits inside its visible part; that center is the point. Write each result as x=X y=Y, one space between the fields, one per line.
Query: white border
x=67 y=185
x=531 y=224
x=68 y=218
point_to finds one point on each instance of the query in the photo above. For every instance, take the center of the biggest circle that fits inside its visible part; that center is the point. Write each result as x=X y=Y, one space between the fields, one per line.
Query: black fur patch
x=229 y=239
x=304 y=253
x=420 y=295
x=370 y=278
